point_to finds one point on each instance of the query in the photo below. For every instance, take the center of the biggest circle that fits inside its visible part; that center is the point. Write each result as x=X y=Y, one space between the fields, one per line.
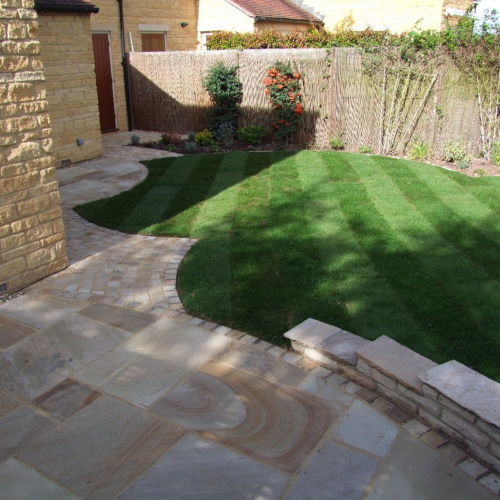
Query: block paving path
x=108 y=389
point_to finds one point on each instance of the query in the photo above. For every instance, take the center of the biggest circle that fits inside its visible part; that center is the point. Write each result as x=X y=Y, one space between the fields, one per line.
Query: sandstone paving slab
x=413 y=471
x=335 y=472
x=273 y=423
x=68 y=175
x=39 y=312
x=20 y=482
x=153 y=361
x=364 y=428
x=253 y=360
x=7 y=403
x=20 y=427
x=198 y=469
x=127 y=319
x=86 y=187
x=396 y=360
x=13 y=331
x=66 y=398
x=325 y=390
x=469 y=389
x=101 y=449
x=311 y=332
x=41 y=361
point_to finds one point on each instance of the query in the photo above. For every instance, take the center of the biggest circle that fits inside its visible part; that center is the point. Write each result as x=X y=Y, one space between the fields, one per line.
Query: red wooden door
x=104 y=80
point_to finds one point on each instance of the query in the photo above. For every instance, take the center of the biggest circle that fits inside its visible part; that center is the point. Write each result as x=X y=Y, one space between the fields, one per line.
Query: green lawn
x=374 y=245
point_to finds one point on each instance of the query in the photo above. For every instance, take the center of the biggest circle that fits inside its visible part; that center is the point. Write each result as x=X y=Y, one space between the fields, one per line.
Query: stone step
x=330 y=342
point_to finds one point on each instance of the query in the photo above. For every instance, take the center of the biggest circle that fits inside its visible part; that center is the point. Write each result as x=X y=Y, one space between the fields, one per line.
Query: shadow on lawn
x=435 y=297
x=267 y=267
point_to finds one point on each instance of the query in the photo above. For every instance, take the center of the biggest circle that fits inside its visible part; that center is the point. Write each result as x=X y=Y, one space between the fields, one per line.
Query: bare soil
x=478 y=167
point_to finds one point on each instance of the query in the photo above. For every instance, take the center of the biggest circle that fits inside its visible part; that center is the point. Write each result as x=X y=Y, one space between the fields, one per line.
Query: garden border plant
x=283 y=91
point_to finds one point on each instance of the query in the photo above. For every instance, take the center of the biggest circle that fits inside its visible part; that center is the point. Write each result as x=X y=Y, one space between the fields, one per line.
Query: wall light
x=184 y=24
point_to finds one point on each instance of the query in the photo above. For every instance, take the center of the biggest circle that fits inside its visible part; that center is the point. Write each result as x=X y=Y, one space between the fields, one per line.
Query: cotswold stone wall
x=32 y=238
x=68 y=64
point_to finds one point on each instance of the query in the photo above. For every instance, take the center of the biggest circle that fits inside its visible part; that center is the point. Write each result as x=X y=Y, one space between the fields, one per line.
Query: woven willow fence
x=340 y=99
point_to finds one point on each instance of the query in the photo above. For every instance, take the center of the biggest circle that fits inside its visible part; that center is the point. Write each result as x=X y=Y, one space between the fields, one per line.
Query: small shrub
x=463 y=164
x=252 y=134
x=226 y=92
x=365 y=150
x=135 y=140
x=337 y=143
x=495 y=153
x=172 y=138
x=479 y=172
x=214 y=148
x=283 y=90
x=191 y=136
x=204 y=138
x=455 y=152
x=191 y=147
x=418 y=150
x=225 y=133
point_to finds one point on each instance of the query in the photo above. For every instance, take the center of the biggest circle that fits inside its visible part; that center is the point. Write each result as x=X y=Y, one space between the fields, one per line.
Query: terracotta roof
x=276 y=10
x=66 y=5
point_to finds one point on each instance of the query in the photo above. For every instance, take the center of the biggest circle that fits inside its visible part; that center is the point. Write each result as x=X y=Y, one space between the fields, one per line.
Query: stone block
x=311 y=332
x=464 y=427
x=364 y=368
x=426 y=403
x=383 y=379
x=467 y=388
x=397 y=398
x=396 y=361
x=319 y=358
x=491 y=430
x=12 y=268
x=352 y=374
x=459 y=410
x=485 y=455
x=436 y=423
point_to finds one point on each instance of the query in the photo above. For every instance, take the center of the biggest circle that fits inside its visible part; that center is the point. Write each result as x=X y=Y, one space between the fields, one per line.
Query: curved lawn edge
x=374 y=245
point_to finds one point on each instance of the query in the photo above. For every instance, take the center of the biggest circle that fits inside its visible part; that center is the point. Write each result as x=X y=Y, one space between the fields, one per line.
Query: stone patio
x=108 y=389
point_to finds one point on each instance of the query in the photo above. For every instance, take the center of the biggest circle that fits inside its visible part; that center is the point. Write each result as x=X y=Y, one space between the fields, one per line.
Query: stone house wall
x=161 y=16
x=68 y=61
x=32 y=238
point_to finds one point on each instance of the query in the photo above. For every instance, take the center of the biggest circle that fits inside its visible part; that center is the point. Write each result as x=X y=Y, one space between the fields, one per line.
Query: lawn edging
x=450 y=397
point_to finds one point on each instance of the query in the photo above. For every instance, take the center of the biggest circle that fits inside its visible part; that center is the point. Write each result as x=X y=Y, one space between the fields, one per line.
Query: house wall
x=32 y=238
x=68 y=60
x=219 y=15
x=381 y=14
x=159 y=13
x=281 y=27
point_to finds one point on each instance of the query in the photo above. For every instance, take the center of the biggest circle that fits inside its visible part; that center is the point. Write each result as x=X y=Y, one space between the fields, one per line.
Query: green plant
x=214 y=148
x=204 y=138
x=283 y=90
x=191 y=136
x=191 y=147
x=480 y=172
x=171 y=138
x=455 y=152
x=337 y=143
x=495 y=153
x=463 y=164
x=225 y=91
x=418 y=150
x=225 y=133
x=252 y=134
x=135 y=140
x=365 y=149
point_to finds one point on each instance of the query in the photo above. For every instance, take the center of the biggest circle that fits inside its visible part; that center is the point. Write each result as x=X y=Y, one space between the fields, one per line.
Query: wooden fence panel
x=339 y=99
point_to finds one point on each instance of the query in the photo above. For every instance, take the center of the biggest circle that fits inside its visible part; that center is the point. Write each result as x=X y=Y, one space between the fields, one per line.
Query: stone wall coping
x=336 y=343
x=467 y=388
x=396 y=361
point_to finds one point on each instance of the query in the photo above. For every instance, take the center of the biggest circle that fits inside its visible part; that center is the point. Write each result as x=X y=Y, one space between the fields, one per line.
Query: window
x=153 y=42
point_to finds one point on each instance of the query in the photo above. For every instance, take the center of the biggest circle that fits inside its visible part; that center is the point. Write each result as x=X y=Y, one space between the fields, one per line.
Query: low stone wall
x=462 y=403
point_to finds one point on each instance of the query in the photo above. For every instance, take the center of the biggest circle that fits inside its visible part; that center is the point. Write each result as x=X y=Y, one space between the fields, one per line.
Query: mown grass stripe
x=470 y=291
x=484 y=189
x=213 y=224
x=349 y=277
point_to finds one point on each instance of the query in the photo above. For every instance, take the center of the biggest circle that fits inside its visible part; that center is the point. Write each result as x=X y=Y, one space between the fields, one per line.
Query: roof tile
x=276 y=9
